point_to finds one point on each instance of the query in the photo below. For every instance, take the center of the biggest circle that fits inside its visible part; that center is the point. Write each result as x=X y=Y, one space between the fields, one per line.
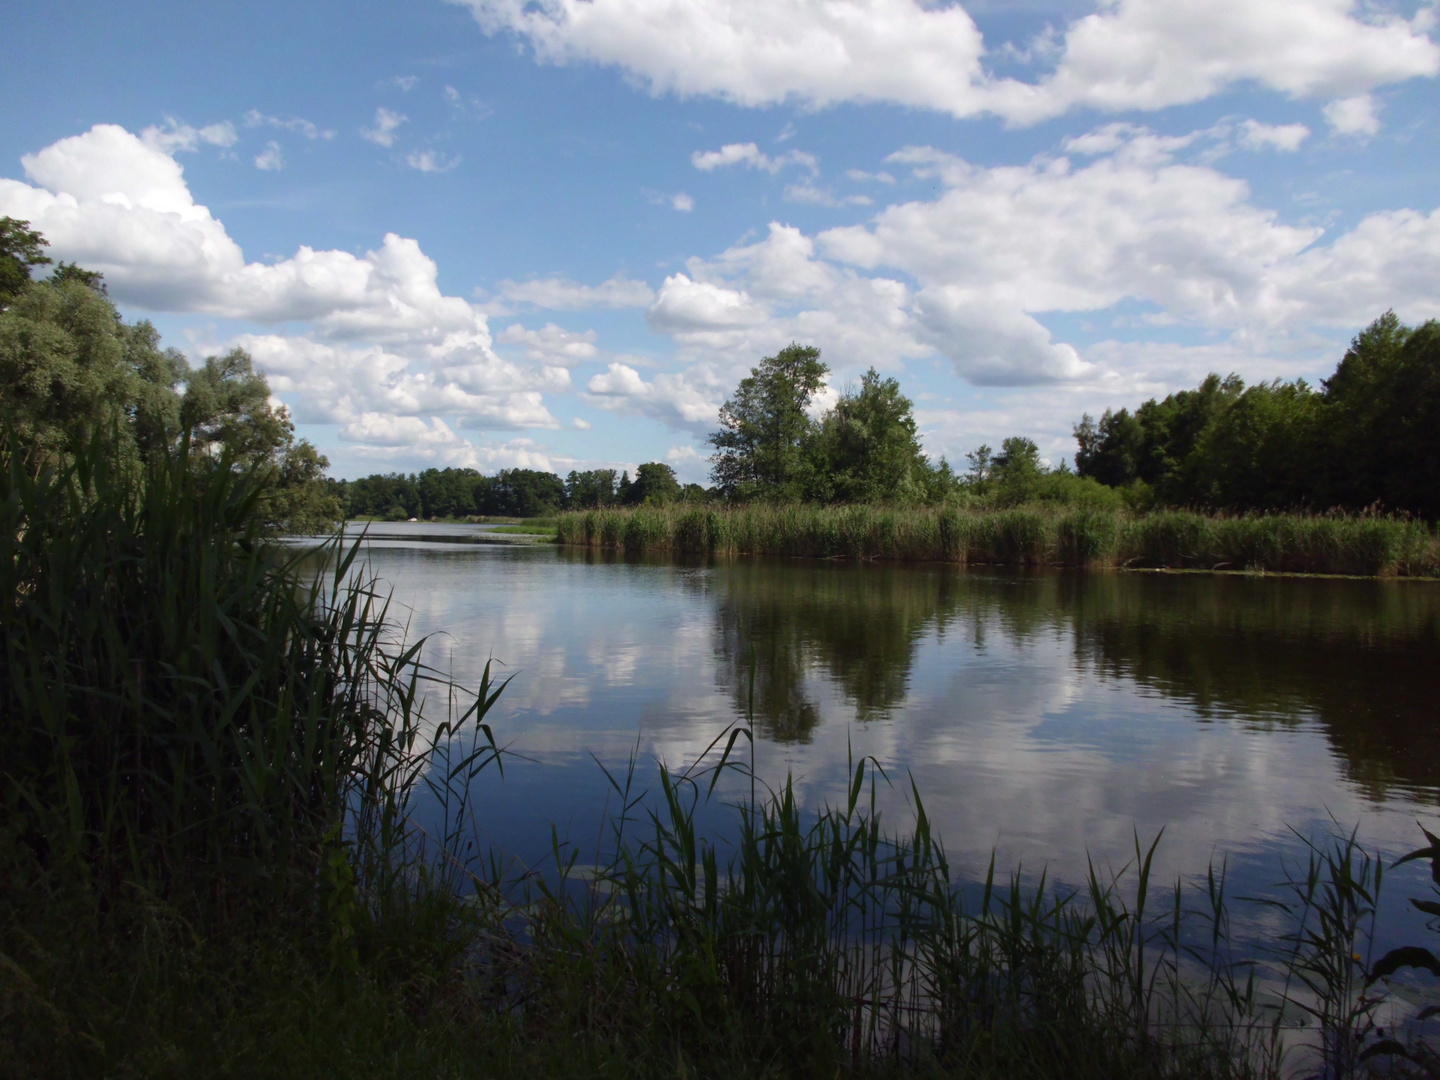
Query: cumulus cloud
x=751 y=156
x=689 y=399
x=1358 y=115
x=387 y=122
x=270 y=159
x=1130 y=54
x=1151 y=54
x=1257 y=136
x=375 y=333
x=255 y=118
x=552 y=344
x=972 y=274
x=682 y=202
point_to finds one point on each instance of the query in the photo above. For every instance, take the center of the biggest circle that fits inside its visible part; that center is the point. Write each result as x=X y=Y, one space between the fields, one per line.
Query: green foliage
x=1369 y=437
x=654 y=484
x=595 y=487
x=865 y=448
x=760 y=449
x=20 y=249
x=71 y=369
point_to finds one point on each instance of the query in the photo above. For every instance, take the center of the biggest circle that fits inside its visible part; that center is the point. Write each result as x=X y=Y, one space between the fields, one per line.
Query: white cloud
x=377 y=335
x=751 y=156
x=270 y=159
x=1130 y=54
x=415 y=443
x=683 y=304
x=552 y=344
x=1151 y=54
x=402 y=82
x=1255 y=135
x=326 y=382
x=299 y=125
x=860 y=176
x=387 y=122
x=972 y=273
x=175 y=136
x=1358 y=115
x=682 y=202
x=689 y=400
x=579 y=423
x=562 y=294
x=471 y=105
x=818 y=196
x=431 y=161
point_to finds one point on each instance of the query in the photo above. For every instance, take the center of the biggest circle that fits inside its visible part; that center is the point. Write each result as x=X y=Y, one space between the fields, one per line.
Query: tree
x=865 y=449
x=654 y=483
x=760 y=449
x=20 y=249
x=594 y=488
x=1016 y=471
x=980 y=461
x=72 y=369
x=524 y=493
x=227 y=409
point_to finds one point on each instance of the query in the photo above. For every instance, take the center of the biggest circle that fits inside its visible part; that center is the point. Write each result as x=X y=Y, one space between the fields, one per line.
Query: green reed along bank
x=1030 y=535
x=215 y=750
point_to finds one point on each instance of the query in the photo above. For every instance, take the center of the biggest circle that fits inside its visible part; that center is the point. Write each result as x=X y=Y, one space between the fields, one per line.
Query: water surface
x=1046 y=717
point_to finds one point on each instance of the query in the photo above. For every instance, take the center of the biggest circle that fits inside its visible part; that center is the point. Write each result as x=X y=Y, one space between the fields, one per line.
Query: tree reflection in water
x=1360 y=657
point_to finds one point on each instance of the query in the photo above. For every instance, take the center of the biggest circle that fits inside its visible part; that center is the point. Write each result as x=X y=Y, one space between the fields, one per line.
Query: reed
x=209 y=864
x=1033 y=535
x=824 y=944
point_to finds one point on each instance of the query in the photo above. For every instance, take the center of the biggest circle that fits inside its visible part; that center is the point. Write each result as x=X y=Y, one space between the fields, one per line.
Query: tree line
x=459 y=493
x=863 y=449
x=1368 y=436
x=73 y=372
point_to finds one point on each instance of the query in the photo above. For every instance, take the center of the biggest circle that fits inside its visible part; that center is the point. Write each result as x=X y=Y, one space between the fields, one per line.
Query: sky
x=555 y=234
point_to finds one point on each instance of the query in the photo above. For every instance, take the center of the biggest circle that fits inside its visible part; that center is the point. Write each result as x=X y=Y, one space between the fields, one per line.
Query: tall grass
x=209 y=863
x=819 y=944
x=1036 y=535
x=181 y=709
x=202 y=744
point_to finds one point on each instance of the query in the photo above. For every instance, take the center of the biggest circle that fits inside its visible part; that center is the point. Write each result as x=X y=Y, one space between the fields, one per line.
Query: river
x=1047 y=718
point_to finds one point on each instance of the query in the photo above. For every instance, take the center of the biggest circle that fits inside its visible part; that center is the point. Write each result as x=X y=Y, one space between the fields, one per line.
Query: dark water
x=1047 y=717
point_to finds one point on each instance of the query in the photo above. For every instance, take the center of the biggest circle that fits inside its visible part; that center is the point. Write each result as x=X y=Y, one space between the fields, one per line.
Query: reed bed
x=209 y=863
x=821 y=944
x=1033 y=535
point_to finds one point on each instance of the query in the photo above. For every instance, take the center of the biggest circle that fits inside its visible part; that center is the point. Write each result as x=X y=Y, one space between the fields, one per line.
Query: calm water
x=1043 y=716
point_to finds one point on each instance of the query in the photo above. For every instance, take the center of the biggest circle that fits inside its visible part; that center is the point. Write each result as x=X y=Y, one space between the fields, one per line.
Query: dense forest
x=1368 y=436
x=74 y=373
x=454 y=493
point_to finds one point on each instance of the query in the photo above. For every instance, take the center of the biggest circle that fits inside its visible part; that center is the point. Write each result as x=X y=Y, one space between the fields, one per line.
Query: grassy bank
x=1022 y=536
x=209 y=866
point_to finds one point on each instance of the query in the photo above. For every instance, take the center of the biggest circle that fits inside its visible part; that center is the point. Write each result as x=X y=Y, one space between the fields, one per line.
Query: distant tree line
x=458 y=493
x=863 y=449
x=72 y=371
x=1368 y=436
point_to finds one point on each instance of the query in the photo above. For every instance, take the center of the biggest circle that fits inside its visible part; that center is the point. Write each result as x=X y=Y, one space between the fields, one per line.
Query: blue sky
x=555 y=234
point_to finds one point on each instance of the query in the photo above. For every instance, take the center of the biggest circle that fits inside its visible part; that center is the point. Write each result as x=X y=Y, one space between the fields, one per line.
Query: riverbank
x=210 y=865
x=1034 y=535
